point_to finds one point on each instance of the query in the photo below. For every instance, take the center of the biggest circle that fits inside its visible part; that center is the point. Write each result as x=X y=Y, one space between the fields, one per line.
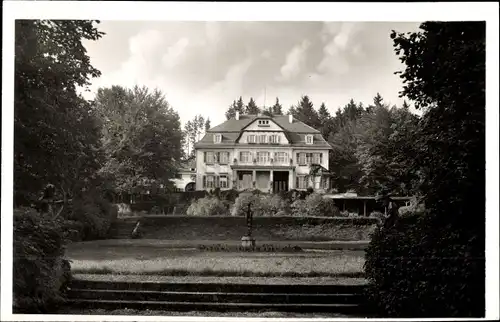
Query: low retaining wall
x=233 y=228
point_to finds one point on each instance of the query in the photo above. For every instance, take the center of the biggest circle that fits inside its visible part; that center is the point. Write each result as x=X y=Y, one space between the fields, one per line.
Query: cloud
x=266 y=54
x=294 y=62
x=145 y=42
x=212 y=32
x=339 y=45
x=234 y=78
x=175 y=53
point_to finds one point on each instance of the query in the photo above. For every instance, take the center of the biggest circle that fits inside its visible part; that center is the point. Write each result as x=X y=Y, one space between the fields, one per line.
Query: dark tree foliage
x=444 y=269
x=236 y=106
x=56 y=137
x=38 y=258
x=251 y=107
x=305 y=112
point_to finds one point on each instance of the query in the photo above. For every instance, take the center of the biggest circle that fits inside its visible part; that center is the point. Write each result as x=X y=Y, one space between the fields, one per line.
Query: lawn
x=268 y=314
x=99 y=258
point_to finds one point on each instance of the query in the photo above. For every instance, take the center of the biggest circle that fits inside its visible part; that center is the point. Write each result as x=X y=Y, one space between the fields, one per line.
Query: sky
x=201 y=67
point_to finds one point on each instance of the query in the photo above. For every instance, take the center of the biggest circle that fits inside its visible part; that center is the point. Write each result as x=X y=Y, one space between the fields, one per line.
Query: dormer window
x=217 y=138
x=263 y=123
x=309 y=139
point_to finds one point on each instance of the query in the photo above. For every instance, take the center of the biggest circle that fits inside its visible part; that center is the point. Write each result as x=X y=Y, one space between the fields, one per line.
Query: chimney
x=237 y=116
x=290 y=118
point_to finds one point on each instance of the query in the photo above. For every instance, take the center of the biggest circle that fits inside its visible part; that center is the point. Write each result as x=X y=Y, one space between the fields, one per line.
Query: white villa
x=260 y=152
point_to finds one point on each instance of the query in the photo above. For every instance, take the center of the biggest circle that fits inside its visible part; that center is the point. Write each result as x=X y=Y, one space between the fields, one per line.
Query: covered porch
x=263 y=178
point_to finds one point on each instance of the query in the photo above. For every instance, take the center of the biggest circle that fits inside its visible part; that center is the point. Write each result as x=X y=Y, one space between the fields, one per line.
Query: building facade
x=185 y=179
x=260 y=152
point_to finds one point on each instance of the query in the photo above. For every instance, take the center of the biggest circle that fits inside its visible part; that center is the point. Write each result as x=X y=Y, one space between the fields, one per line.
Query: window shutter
x=298 y=158
x=204 y=158
x=321 y=158
x=279 y=138
x=297 y=182
x=204 y=181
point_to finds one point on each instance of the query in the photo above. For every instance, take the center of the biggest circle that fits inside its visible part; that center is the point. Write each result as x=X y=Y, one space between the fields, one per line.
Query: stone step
x=211 y=306
x=218 y=287
x=219 y=297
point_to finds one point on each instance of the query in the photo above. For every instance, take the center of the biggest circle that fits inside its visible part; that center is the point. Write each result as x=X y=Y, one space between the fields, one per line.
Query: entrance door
x=245 y=180
x=280 y=181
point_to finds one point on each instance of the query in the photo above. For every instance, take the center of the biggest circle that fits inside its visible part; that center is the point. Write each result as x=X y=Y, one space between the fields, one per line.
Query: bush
x=229 y=195
x=346 y=213
x=377 y=214
x=240 y=206
x=95 y=213
x=271 y=205
x=208 y=206
x=40 y=269
x=423 y=267
x=299 y=208
x=319 y=206
x=314 y=205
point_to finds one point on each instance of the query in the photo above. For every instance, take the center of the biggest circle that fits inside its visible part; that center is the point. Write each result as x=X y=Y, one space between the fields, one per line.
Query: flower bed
x=258 y=248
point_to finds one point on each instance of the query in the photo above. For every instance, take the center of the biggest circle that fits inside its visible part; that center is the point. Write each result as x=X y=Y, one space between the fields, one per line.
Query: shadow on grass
x=210 y=272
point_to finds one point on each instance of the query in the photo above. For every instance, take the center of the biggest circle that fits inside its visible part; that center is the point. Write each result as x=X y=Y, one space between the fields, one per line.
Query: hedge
x=264 y=228
x=423 y=267
x=40 y=269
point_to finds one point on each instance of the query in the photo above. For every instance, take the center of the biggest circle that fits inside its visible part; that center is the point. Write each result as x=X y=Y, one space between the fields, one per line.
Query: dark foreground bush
x=40 y=271
x=95 y=215
x=423 y=268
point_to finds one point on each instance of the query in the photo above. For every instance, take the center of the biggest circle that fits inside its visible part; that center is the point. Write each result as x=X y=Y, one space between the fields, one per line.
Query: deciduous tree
x=55 y=132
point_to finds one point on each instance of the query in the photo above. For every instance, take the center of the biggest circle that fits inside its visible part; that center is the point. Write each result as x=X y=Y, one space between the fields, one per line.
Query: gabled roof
x=231 y=130
x=233 y=125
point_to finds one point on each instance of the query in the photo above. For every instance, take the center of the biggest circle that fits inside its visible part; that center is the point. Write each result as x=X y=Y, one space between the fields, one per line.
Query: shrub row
x=264 y=205
x=40 y=269
x=422 y=267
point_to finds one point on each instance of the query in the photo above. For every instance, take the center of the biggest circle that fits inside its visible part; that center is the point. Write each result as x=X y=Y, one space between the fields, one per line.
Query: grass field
x=212 y=314
x=115 y=259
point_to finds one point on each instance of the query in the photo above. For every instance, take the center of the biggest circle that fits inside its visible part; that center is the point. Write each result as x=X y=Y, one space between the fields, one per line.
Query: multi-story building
x=261 y=152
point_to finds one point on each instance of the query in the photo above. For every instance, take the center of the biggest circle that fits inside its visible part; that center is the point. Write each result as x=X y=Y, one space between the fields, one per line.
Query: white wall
x=202 y=168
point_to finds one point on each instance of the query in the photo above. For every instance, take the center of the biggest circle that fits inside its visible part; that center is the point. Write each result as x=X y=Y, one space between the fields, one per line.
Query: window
x=309 y=139
x=274 y=138
x=263 y=122
x=223 y=182
x=280 y=157
x=245 y=157
x=223 y=157
x=302 y=182
x=262 y=157
x=217 y=138
x=317 y=158
x=301 y=158
x=251 y=138
x=212 y=181
x=262 y=138
x=209 y=181
x=209 y=158
x=309 y=157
